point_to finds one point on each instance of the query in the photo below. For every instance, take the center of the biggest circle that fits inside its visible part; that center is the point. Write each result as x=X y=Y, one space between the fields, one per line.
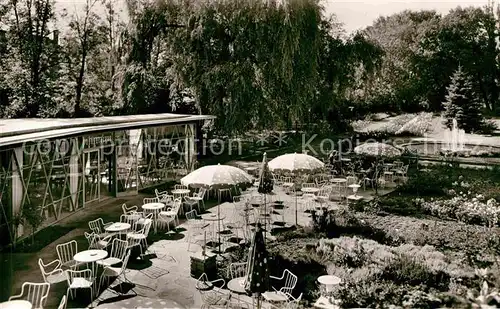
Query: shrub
x=404 y=269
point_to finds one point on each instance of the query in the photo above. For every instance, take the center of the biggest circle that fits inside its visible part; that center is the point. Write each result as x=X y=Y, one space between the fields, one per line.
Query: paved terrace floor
x=163 y=280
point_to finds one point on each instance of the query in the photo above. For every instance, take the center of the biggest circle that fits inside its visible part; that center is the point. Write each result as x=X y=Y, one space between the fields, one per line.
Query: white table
x=310 y=190
x=155 y=208
x=354 y=188
x=90 y=257
x=329 y=281
x=338 y=180
x=16 y=304
x=118 y=227
x=180 y=192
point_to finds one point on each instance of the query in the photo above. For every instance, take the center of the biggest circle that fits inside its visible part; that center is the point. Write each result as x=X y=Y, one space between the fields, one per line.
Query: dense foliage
x=254 y=64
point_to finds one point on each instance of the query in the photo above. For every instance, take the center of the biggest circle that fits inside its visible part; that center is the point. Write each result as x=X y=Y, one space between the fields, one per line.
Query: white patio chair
x=63 y=303
x=110 y=272
x=195 y=228
x=140 y=238
x=173 y=211
x=160 y=194
x=131 y=219
x=80 y=279
x=164 y=219
x=127 y=210
x=189 y=201
x=95 y=242
x=402 y=173
x=148 y=200
x=237 y=270
x=52 y=272
x=212 y=295
x=200 y=197
x=66 y=252
x=180 y=187
x=98 y=226
x=292 y=303
x=289 y=281
x=117 y=254
x=35 y=293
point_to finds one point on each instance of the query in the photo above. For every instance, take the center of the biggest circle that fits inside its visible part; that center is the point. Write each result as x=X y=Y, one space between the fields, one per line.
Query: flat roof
x=16 y=131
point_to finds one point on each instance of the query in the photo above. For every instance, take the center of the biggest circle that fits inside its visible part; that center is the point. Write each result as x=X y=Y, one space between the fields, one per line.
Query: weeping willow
x=253 y=64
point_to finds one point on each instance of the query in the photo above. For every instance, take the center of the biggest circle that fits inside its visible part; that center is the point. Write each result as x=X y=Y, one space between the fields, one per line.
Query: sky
x=354 y=14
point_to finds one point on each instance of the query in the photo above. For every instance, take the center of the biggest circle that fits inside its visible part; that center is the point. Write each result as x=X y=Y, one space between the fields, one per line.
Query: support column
x=73 y=173
x=189 y=154
x=17 y=183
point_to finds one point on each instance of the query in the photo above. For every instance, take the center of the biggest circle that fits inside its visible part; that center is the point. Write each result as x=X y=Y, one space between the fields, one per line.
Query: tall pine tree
x=462 y=103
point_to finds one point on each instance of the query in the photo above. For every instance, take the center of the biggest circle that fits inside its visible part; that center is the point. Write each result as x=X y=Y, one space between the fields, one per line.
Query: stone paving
x=163 y=280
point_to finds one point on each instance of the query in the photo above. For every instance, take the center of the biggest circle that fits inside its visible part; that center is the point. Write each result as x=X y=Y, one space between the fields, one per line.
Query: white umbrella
x=377 y=149
x=216 y=176
x=295 y=163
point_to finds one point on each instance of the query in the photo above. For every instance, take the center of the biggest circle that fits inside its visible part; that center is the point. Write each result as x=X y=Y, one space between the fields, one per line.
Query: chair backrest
x=191 y=215
x=72 y=274
x=398 y=164
x=351 y=180
x=35 y=293
x=180 y=187
x=119 y=248
x=42 y=266
x=237 y=270
x=290 y=282
x=176 y=205
x=62 y=304
x=67 y=251
x=148 y=200
x=130 y=219
x=93 y=239
x=308 y=185
x=127 y=210
x=202 y=192
x=147 y=226
x=97 y=226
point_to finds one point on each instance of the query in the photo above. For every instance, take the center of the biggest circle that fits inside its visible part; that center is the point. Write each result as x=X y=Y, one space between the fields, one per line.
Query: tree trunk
x=79 y=81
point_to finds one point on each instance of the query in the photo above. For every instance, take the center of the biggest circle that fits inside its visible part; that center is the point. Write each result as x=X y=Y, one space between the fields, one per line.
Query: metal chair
x=35 y=293
x=95 y=242
x=289 y=281
x=117 y=272
x=173 y=211
x=237 y=270
x=212 y=295
x=66 y=252
x=117 y=254
x=128 y=210
x=99 y=227
x=80 y=279
x=140 y=238
x=52 y=272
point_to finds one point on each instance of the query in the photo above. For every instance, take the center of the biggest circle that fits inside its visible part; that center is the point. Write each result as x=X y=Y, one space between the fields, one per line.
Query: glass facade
x=63 y=175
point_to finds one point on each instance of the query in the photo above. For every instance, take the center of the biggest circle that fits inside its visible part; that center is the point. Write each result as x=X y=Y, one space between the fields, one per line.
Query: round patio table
x=90 y=257
x=155 y=208
x=309 y=190
x=117 y=227
x=329 y=281
x=16 y=304
x=180 y=192
x=338 y=180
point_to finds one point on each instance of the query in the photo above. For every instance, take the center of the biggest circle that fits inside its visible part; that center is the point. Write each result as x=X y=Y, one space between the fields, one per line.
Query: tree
x=462 y=103
x=33 y=215
x=32 y=56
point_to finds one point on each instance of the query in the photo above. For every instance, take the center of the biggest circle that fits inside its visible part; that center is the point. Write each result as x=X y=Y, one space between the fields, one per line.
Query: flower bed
x=465 y=207
x=418 y=126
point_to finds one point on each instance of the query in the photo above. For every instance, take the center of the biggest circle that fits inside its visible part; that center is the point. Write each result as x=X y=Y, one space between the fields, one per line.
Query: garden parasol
x=257 y=281
x=377 y=150
x=295 y=163
x=265 y=183
x=217 y=176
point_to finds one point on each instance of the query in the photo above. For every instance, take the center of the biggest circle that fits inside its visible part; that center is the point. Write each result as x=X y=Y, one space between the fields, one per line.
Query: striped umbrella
x=258 y=272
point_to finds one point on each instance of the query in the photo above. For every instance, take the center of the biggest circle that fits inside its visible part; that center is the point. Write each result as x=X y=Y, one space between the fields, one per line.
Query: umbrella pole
x=218 y=223
x=296 y=207
x=265 y=220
